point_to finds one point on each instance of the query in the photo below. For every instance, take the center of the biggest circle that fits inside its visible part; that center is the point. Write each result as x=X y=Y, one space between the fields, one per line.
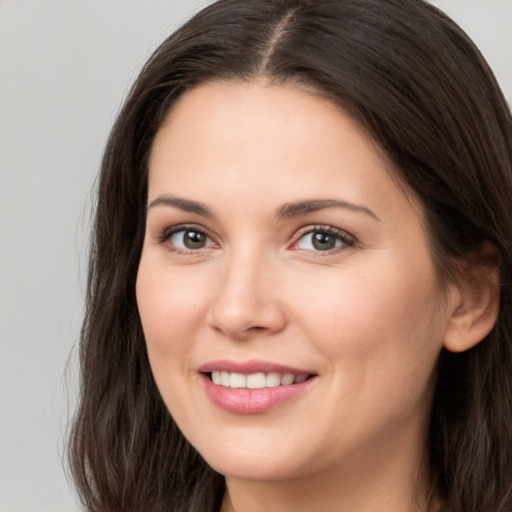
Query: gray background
x=64 y=68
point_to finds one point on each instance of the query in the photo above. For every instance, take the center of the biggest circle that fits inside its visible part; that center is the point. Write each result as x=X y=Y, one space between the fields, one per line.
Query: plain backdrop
x=65 y=67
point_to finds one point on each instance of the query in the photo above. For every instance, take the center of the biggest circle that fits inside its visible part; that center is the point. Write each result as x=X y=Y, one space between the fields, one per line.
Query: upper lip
x=251 y=366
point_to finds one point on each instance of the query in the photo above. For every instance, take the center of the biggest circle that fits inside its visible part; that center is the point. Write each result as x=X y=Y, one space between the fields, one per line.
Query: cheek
x=381 y=330
x=170 y=307
x=379 y=301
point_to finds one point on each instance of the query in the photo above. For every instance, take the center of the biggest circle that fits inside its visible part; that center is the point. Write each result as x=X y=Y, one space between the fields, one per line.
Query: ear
x=476 y=302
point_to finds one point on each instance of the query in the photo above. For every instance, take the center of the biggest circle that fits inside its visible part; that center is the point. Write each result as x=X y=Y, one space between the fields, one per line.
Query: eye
x=323 y=239
x=186 y=239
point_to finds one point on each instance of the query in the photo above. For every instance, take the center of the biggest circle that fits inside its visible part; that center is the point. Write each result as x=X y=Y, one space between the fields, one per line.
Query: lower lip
x=252 y=401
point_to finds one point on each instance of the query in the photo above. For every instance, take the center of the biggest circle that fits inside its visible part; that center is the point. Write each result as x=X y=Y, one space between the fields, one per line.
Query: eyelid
x=347 y=239
x=164 y=236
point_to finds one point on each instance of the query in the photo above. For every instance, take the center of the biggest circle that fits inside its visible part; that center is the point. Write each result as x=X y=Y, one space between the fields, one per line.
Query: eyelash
x=340 y=235
x=168 y=233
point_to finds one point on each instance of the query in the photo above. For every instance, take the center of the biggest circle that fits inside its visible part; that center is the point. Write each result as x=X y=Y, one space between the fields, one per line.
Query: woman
x=299 y=282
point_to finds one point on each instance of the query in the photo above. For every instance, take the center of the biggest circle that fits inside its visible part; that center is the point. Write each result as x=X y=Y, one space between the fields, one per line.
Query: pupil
x=194 y=240
x=323 y=241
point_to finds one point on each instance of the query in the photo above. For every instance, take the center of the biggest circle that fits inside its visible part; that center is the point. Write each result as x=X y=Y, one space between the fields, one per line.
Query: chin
x=254 y=462
x=255 y=471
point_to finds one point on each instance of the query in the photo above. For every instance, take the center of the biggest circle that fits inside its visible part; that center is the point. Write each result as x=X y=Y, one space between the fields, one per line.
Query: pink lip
x=252 y=366
x=251 y=401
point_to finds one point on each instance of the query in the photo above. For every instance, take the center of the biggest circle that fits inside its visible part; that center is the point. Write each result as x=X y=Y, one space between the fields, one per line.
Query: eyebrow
x=186 y=205
x=287 y=211
x=298 y=208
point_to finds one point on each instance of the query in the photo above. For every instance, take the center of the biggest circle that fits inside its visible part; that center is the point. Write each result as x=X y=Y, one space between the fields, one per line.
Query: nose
x=246 y=304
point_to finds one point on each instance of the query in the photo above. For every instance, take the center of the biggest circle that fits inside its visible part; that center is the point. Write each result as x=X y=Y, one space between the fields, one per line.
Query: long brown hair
x=425 y=94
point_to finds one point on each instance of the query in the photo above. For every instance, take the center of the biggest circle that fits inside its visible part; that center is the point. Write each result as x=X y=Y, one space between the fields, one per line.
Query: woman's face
x=279 y=249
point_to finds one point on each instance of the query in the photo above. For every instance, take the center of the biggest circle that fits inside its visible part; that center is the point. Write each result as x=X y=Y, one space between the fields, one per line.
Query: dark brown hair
x=424 y=93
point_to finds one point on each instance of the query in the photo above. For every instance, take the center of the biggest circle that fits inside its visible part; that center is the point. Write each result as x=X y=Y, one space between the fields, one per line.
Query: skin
x=367 y=317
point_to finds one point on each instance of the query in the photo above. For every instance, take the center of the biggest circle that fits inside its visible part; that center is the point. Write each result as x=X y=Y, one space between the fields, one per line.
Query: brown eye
x=190 y=239
x=323 y=240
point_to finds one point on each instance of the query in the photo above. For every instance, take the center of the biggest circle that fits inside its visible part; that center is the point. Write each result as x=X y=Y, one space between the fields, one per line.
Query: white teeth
x=287 y=379
x=273 y=380
x=224 y=379
x=237 y=380
x=257 y=380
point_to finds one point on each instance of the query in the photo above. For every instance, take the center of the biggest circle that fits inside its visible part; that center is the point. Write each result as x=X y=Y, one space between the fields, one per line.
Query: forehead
x=277 y=141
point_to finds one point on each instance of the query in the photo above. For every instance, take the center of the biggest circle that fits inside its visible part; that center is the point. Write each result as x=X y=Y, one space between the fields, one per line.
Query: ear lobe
x=477 y=308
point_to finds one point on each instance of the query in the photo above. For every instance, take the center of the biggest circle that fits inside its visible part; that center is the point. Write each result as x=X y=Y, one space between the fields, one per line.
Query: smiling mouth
x=258 y=380
x=253 y=387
